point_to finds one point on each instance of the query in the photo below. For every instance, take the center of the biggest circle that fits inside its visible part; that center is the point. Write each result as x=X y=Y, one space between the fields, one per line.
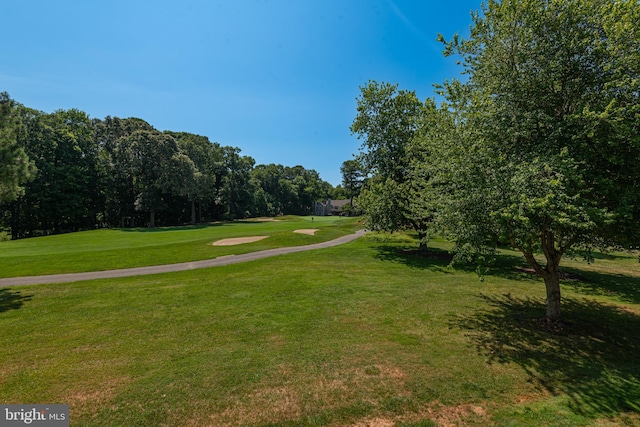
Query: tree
x=285 y=190
x=306 y=188
x=396 y=196
x=545 y=155
x=15 y=166
x=338 y=193
x=273 y=194
x=64 y=193
x=237 y=191
x=117 y=169
x=352 y=178
x=159 y=169
x=204 y=156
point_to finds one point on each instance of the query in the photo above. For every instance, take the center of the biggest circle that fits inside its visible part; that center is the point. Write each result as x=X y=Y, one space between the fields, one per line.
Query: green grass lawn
x=108 y=249
x=362 y=334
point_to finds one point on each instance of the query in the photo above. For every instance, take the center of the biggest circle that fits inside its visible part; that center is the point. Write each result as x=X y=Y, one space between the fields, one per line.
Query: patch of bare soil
x=450 y=416
x=375 y=422
x=441 y=415
x=86 y=398
x=238 y=240
x=309 y=231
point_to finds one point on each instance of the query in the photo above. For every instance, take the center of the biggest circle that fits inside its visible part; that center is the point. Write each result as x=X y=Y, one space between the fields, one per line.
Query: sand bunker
x=238 y=240
x=309 y=231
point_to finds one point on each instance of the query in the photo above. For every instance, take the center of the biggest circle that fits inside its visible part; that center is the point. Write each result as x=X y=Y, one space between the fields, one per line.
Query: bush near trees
x=538 y=148
x=64 y=172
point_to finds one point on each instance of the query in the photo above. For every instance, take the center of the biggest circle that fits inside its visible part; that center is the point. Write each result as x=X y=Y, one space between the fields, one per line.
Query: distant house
x=330 y=207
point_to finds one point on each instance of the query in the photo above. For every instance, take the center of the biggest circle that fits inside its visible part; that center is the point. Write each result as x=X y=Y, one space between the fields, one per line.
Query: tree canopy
x=547 y=155
x=536 y=148
x=63 y=171
x=15 y=167
x=395 y=127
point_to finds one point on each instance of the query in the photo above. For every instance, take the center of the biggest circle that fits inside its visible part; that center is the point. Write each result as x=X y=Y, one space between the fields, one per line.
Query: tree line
x=537 y=148
x=64 y=171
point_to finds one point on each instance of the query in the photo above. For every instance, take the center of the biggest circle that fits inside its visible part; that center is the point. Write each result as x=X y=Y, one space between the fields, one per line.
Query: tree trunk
x=550 y=273
x=552 y=283
x=15 y=220
x=422 y=236
x=152 y=219
x=193 y=212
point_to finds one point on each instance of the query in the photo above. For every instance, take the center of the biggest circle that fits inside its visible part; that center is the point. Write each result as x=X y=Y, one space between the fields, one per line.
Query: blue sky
x=276 y=78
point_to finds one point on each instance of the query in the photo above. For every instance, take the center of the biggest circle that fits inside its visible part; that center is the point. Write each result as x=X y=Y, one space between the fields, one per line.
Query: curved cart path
x=168 y=268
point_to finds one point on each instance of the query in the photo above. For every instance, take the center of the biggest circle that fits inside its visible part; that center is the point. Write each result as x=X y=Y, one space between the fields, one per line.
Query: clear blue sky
x=276 y=78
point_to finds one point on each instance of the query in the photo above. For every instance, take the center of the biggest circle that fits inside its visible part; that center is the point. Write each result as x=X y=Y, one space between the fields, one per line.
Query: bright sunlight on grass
x=361 y=334
x=110 y=249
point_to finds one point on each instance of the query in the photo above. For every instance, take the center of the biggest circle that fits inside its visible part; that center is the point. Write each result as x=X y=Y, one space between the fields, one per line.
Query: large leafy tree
x=15 y=167
x=307 y=188
x=159 y=170
x=353 y=177
x=284 y=190
x=206 y=157
x=117 y=168
x=269 y=196
x=397 y=194
x=545 y=157
x=63 y=195
x=237 y=191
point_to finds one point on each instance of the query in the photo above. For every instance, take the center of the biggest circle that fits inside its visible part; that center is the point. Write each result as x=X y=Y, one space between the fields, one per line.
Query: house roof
x=339 y=203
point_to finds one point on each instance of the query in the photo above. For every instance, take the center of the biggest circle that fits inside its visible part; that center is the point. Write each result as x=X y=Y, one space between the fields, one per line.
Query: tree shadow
x=170 y=228
x=433 y=259
x=592 y=357
x=12 y=300
x=602 y=255
x=626 y=288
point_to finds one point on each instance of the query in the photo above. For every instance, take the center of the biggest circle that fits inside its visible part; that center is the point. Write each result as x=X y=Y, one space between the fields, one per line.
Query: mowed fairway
x=363 y=334
x=110 y=249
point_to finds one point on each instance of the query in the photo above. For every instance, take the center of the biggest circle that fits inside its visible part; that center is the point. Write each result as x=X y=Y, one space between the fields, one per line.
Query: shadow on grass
x=598 y=255
x=592 y=358
x=433 y=259
x=174 y=228
x=626 y=288
x=11 y=300
x=504 y=266
x=513 y=267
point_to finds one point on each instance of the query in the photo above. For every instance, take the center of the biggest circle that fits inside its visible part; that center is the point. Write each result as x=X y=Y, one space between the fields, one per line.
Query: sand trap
x=309 y=231
x=238 y=240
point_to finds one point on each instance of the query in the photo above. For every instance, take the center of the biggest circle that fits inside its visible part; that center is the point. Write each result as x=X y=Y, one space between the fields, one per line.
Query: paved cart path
x=168 y=268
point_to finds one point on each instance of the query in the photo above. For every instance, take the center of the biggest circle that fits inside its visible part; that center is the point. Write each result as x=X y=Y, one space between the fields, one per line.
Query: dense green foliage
x=65 y=172
x=548 y=151
x=537 y=148
x=352 y=178
x=15 y=167
x=396 y=195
